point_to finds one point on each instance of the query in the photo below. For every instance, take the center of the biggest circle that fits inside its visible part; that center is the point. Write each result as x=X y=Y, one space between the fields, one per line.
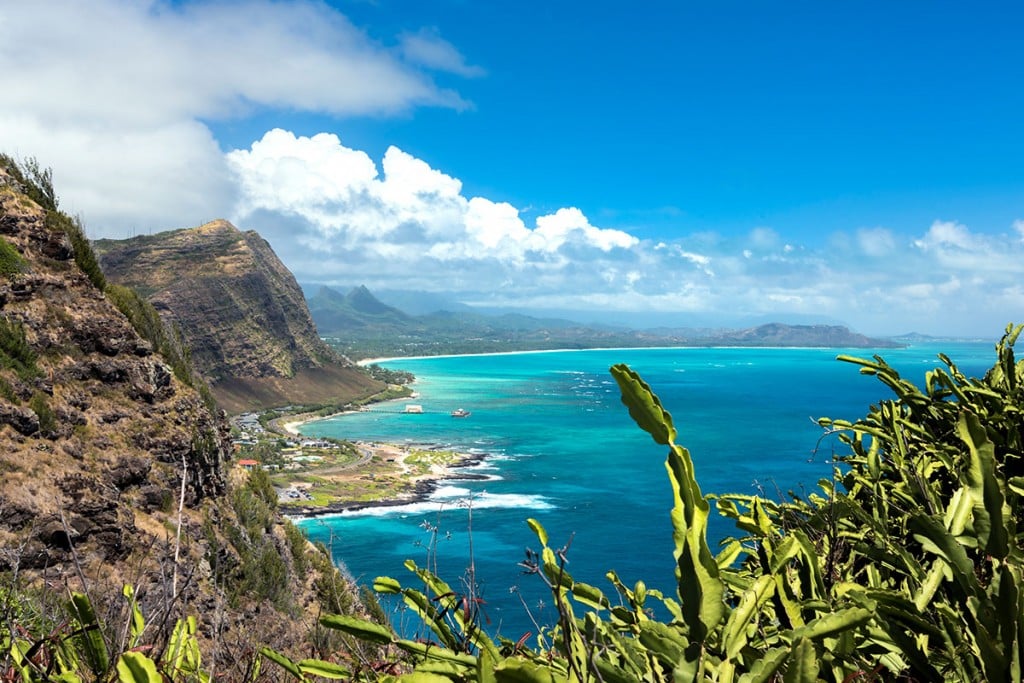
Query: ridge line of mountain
x=242 y=314
x=361 y=326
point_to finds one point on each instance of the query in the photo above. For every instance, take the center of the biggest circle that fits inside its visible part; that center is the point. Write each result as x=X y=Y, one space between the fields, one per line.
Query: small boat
x=459 y=412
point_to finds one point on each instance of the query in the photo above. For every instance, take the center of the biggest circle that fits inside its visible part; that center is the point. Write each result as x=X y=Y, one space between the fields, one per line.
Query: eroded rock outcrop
x=241 y=313
x=115 y=468
x=89 y=415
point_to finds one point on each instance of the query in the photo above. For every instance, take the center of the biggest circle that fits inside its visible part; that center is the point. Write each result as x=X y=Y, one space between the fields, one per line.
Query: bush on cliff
x=11 y=262
x=15 y=352
x=37 y=183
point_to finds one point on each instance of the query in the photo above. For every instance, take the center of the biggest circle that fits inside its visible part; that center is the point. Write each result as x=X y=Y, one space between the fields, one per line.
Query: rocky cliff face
x=240 y=312
x=95 y=426
x=114 y=470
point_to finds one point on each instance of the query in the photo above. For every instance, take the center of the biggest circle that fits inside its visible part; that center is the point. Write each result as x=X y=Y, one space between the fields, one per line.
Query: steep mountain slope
x=114 y=468
x=240 y=312
x=96 y=426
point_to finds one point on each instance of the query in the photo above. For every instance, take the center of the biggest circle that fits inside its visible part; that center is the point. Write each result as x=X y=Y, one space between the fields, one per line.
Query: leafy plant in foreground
x=76 y=650
x=906 y=564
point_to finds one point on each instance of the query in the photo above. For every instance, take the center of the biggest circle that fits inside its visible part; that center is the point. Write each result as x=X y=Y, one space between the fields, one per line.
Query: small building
x=248 y=465
x=413 y=408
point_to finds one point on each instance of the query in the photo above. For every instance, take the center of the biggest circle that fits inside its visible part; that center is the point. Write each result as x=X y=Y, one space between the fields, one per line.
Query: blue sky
x=702 y=161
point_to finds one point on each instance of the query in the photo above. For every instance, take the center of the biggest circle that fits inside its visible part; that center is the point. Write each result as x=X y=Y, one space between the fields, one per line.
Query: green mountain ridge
x=333 y=310
x=361 y=326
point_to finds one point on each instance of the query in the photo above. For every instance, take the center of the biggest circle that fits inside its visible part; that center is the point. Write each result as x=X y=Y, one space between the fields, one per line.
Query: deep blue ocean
x=562 y=449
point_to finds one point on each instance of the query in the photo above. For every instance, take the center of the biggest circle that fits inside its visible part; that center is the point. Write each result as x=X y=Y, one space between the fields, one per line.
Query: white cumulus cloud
x=335 y=217
x=945 y=234
x=409 y=210
x=569 y=224
x=956 y=248
x=114 y=94
x=876 y=241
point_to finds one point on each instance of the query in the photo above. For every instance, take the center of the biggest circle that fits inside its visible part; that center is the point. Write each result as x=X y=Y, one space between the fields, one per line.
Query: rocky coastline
x=422 y=489
x=421 y=484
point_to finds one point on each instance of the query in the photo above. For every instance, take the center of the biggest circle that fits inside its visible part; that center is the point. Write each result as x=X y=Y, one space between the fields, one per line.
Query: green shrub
x=15 y=352
x=265 y=576
x=253 y=512
x=36 y=180
x=333 y=592
x=262 y=573
x=40 y=405
x=7 y=392
x=11 y=262
x=85 y=257
x=38 y=185
x=297 y=544
x=261 y=486
x=140 y=313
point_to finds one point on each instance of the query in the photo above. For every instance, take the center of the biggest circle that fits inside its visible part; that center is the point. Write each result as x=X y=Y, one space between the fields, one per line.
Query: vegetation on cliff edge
x=111 y=466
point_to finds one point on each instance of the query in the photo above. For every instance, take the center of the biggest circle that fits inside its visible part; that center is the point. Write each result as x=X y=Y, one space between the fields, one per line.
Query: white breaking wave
x=449 y=491
x=483 y=465
x=449 y=498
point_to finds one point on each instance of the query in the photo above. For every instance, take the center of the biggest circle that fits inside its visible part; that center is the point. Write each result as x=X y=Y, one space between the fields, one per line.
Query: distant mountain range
x=360 y=325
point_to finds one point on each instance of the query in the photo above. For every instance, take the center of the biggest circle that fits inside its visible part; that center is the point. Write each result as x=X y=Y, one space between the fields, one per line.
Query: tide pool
x=563 y=450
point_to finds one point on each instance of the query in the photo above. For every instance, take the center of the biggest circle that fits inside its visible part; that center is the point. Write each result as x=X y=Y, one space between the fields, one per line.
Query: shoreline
x=422 y=486
x=696 y=347
x=372 y=361
x=298 y=420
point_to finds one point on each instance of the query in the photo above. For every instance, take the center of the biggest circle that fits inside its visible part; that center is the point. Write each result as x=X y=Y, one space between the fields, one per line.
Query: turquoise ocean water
x=562 y=449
